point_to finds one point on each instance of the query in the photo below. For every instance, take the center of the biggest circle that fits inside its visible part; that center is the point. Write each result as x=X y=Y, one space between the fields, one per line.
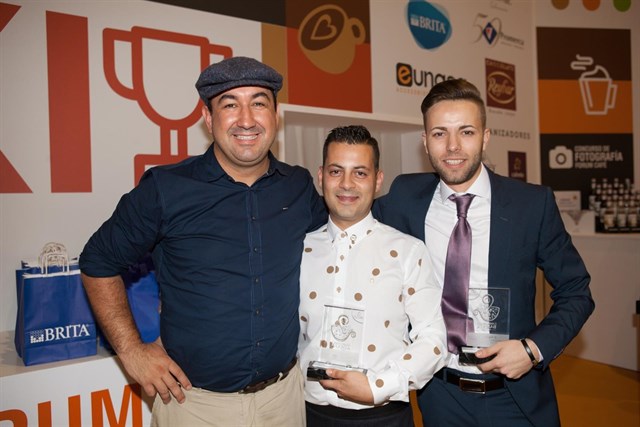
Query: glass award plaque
x=341 y=342
x=489 y=308
x=489 y=312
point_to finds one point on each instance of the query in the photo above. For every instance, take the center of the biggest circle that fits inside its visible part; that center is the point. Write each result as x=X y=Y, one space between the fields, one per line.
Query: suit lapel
x=502 y=223
x=423 y=198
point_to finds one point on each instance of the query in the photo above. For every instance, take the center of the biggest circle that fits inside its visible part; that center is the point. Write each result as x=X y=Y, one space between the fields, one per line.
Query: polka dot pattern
x=346 y=272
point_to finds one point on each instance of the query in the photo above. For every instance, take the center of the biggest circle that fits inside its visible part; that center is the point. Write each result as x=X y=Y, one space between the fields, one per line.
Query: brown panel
x=558 y=47
x=271 y=11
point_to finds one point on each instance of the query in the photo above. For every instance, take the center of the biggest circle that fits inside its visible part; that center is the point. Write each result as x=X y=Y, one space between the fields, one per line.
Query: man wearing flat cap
x=226 y=231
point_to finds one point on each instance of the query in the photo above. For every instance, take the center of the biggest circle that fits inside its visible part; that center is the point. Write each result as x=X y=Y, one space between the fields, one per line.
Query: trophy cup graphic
x=137 y=92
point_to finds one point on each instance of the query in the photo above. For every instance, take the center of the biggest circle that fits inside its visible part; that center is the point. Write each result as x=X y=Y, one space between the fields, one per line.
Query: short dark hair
x=354 y=134
x=454 y=90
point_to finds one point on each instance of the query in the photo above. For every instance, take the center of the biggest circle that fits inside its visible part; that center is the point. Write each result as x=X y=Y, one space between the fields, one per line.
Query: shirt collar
x=356 y=233
x=209 y=168
x=480 y=188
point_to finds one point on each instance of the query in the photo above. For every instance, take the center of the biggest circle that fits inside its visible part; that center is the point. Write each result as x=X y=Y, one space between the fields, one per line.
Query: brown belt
x=472 y=385
x=261 y=385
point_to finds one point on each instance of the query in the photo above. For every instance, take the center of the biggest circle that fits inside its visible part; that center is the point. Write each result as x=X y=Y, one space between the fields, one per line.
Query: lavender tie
x=457 y=269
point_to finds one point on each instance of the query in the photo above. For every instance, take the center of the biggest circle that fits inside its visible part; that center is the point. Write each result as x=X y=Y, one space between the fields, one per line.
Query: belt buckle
x=472 y=385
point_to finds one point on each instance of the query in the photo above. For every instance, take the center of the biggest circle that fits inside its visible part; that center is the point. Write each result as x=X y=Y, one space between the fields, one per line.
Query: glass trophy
x=341 y=343
x=489 y=313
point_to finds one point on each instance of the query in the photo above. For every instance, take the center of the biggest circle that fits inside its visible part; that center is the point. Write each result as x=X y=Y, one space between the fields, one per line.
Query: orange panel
x=563 y=110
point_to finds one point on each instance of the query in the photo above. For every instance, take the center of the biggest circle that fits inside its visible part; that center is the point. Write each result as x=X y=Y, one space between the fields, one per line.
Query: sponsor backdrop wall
x=94 y=92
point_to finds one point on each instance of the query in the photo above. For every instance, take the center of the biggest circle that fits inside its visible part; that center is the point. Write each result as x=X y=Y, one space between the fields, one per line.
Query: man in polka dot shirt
x=362 y=284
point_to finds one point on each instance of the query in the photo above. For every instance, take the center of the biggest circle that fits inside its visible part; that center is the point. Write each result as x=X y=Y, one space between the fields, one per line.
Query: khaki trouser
x=280 y=404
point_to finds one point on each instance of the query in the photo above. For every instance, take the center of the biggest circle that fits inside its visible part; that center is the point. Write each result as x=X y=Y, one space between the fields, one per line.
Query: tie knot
x=462 y=203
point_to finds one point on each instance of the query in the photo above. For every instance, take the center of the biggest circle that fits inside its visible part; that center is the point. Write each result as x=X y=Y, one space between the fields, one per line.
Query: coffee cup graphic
x=328 y=37
x=136 y=38
x=598 y=91
x=596 y=87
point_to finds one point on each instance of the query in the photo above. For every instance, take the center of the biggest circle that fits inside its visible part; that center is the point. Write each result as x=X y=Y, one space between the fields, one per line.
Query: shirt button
x=256 y=280
x=253 y=218
x=255 y=249
x=257 y=312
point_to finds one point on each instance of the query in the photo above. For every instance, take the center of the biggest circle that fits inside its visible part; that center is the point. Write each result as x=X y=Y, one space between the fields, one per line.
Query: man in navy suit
x=516 y=229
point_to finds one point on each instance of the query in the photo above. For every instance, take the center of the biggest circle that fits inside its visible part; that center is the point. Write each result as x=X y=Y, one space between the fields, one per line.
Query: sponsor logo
x=429 y=24
x=409 y=77
x=583 y=157
x=518 y=165
x=490 y=30
x=59 y=333
x=501 y=84
x=503 y=5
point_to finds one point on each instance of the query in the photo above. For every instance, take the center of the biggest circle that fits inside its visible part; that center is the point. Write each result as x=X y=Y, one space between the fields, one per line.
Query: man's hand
x=511 y=359
x=155 y=371
x=349 y=385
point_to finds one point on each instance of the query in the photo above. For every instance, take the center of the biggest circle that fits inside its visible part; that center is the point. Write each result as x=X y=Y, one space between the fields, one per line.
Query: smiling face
x=349 y=182
x=243 y=122
x=455 y=139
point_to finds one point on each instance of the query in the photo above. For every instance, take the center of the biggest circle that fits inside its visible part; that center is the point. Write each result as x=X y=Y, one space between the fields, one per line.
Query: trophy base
x=466 y=356
x=318 y=370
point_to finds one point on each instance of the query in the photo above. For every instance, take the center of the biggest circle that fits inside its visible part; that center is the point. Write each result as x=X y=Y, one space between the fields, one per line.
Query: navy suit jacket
x=527 y=233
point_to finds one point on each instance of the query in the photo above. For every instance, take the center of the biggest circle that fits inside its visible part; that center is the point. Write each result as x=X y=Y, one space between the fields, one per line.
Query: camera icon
x=560 y=157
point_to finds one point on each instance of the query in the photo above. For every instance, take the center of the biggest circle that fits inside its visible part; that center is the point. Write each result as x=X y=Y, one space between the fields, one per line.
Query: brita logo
x=429 y=24
x=59 y=333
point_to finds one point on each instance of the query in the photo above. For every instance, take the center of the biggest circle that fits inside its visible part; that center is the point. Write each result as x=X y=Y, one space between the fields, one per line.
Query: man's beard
x=455 y=177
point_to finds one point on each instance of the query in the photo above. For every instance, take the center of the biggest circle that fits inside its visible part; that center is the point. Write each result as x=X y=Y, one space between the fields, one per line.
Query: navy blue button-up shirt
x=227 y=260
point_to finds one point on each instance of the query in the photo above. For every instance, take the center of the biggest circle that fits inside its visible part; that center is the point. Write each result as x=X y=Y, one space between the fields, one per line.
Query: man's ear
x=206 y=115
x=320 y=169
x=485 y=138
x=379 y=180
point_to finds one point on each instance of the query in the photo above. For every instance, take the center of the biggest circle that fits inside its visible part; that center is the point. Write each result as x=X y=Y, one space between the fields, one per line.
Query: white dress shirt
x=388 y=274
x=439 y=222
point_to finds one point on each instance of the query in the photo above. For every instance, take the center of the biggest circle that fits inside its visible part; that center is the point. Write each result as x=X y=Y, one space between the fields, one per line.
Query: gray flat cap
x=236 y=72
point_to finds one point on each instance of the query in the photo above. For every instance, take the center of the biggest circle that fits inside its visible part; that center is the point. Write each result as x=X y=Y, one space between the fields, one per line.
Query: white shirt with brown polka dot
x=388 y=274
